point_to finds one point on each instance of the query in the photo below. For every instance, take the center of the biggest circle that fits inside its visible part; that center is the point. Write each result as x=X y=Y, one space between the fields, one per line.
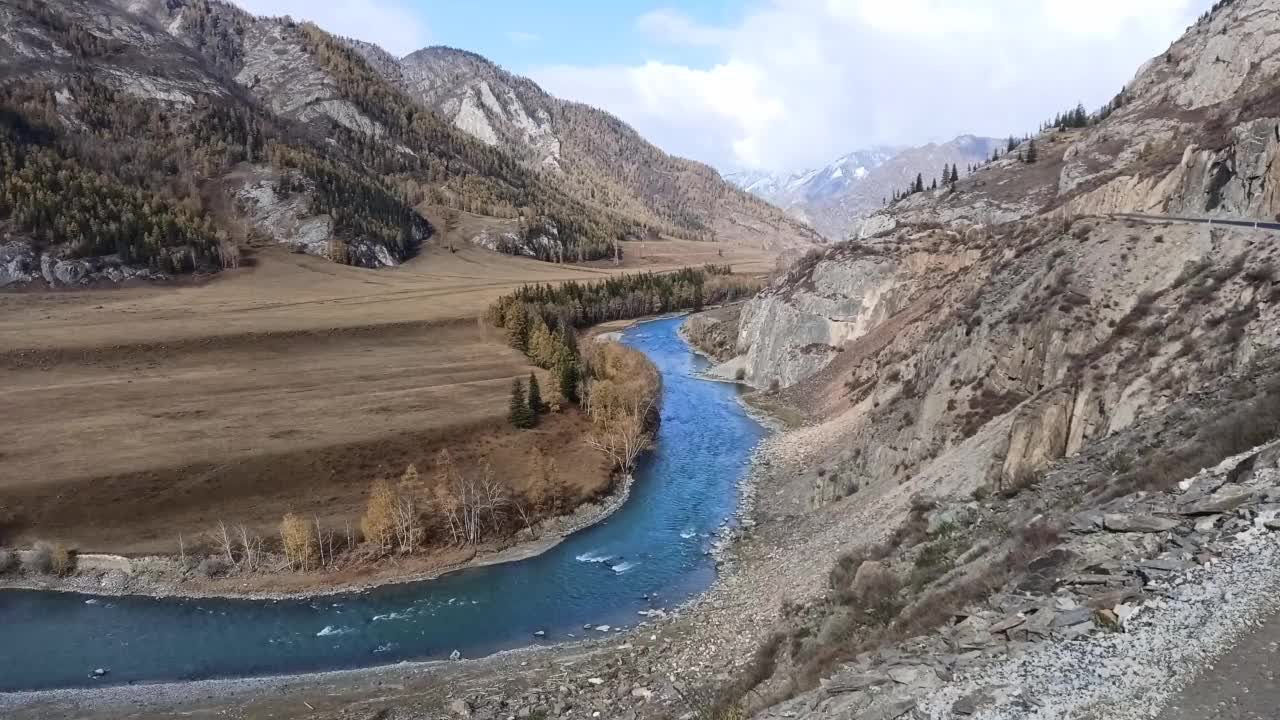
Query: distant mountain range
x=833 y=198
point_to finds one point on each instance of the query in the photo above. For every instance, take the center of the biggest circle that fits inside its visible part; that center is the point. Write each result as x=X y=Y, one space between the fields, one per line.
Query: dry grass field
x=132 y=415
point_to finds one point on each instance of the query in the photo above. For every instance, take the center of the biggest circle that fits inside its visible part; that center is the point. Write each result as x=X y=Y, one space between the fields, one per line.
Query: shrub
x=295 y=535
x=40 y=559
x=1261 y=273
x=1239 y=428
x=740 y=374
x=61 y=560
x=935 y=560
x=211 y=567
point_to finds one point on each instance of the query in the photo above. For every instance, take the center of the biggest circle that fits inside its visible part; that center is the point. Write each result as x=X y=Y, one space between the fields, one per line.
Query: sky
x=783 y=85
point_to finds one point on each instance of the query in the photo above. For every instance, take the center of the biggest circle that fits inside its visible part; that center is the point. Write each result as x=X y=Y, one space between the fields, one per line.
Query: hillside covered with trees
x=128 y=132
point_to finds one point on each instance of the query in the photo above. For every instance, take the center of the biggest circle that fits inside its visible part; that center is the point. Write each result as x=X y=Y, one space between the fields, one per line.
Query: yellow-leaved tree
x=295 y=536
x=379 y=521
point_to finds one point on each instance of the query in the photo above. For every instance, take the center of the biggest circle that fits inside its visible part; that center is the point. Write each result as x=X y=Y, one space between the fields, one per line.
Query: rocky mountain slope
x=977 y=340
x=833 y=199
x=212 y=130
x=592 y=154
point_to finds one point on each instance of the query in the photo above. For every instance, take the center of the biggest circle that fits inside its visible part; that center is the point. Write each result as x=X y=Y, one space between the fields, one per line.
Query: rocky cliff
x=1014 y=346
x=592 y=154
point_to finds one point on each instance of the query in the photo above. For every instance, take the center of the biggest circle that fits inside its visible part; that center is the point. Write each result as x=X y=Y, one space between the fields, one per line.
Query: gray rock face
x=18 y=263
x=791 y=336
x=21 y=264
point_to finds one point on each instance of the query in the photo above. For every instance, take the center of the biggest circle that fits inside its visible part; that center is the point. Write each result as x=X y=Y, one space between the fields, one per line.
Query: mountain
x=997 y=379
x=592 y=154
x=149 y=137
x=834 y=198
x=809 y=186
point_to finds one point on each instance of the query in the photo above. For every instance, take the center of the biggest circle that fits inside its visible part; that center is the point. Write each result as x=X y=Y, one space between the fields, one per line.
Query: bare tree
x=319 y=539
x=446 y=499
x=408 y=513
x=493 y=498
x=224 y=541
x=250 y=550
x=623 y=433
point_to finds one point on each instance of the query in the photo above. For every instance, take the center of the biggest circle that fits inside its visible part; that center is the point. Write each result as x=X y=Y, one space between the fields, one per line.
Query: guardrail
x=1255 y=224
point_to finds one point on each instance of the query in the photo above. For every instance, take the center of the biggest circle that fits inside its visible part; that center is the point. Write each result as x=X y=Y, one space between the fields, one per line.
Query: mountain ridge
x=835 y=197
x=602 y=157
x=302 y=139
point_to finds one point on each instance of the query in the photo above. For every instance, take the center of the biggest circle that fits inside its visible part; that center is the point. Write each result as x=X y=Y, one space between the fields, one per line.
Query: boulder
x=455 y=655
x=1163 y=565
x=969 y=704
x=1086 y=522
x=1074 y=616
x=1007 y=624
x=889 y=711
x=1224 y=500
x=69 y=272
x=853 y=682
x=1116 y=522
x=460 y=708
x=1207 y=523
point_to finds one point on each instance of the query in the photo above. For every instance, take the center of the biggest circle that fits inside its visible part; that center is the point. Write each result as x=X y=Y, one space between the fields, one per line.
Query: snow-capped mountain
x=812 y=185
x=834 y=197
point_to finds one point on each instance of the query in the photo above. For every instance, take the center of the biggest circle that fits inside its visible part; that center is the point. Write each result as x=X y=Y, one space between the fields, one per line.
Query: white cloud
x=926 y=17
x=670 y=26
x=393 y=24
x=703 y=107
x=798 y=82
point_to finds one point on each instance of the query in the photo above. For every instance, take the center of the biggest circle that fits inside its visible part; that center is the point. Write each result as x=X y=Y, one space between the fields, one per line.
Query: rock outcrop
x=1018 y=296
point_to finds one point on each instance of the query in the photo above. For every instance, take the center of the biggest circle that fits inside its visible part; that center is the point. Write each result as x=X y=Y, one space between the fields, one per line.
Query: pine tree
x=919 y=187
x=946 y=173
x=1032 y=156
x=934 y=186
x=517 y=324
x=520 y=415
x=955 y=175
x=567 y=378
x=535 y=396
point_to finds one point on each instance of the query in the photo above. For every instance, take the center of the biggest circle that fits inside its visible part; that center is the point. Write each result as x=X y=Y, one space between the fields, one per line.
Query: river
x=651 y=553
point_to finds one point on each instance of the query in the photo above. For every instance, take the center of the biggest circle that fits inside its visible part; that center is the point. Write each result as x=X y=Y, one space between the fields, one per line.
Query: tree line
x=619 y=297
x=139 y=180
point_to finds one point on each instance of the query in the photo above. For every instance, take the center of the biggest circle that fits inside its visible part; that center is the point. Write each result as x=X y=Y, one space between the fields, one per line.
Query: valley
x=320 y=376
x=1008 y=448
